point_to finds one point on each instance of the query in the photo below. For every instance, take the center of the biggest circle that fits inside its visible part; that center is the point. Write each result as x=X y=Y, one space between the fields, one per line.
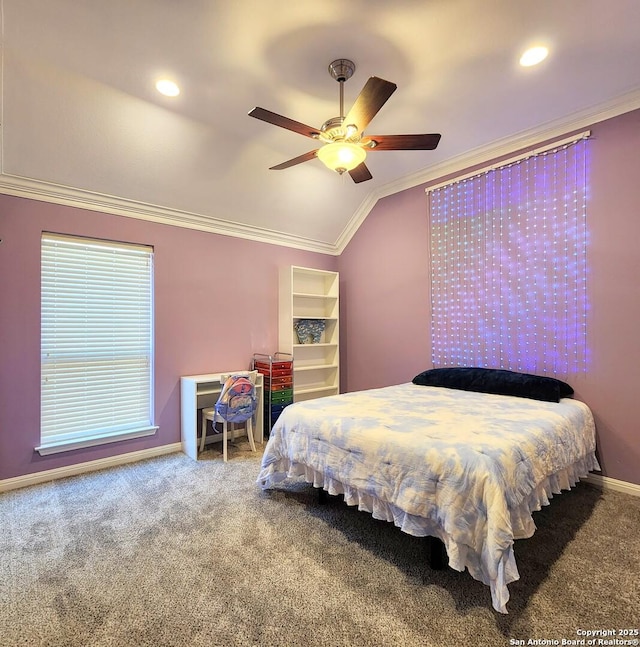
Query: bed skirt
x=496 y=575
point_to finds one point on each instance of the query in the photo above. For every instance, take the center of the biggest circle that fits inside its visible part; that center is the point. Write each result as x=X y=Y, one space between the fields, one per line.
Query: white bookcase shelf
x=307 y=293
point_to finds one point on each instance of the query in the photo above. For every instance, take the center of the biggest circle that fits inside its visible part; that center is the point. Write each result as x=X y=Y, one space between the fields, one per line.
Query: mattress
x=468 y=468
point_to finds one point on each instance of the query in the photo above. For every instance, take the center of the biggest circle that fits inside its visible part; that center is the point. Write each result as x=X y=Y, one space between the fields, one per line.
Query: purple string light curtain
x=508 y=265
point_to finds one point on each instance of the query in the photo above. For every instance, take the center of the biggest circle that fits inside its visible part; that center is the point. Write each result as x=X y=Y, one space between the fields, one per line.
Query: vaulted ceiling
x=82 y=122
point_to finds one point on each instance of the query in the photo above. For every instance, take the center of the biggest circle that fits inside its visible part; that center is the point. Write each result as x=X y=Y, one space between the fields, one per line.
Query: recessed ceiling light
x=533 y=56
x=168 y=88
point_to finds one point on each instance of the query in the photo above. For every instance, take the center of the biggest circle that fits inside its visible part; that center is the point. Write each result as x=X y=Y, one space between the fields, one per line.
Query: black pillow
x=498 y=381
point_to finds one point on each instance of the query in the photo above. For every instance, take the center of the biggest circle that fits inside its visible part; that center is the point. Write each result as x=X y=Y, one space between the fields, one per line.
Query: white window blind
x=96 y=342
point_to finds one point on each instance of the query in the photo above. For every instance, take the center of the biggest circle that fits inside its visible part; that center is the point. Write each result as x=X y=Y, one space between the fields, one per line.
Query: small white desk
x=200 y=391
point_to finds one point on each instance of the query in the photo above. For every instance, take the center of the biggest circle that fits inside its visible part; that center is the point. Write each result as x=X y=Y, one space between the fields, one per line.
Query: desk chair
x=212 y=414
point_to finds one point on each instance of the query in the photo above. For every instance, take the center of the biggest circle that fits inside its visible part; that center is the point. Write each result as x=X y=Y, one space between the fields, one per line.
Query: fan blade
x=360 y=173
x=373 y=96
x=401 y=142
x=296 y=160
x=284 y=122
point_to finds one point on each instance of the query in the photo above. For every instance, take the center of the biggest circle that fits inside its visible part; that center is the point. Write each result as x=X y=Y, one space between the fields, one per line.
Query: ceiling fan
x=345 y=145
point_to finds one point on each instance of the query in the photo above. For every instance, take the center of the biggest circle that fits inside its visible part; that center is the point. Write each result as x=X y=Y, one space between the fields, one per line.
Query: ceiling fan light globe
x=341 y=156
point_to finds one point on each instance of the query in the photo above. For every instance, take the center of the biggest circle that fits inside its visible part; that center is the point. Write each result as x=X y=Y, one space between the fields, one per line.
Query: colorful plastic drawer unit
x=278 y=384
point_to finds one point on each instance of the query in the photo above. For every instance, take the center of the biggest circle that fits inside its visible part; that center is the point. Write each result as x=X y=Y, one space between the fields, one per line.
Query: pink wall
x=384 y=295
x=202 y=323
x=385 y=304
x=385 y=273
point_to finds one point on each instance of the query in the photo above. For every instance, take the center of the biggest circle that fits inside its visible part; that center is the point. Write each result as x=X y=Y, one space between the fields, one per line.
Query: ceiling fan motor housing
x=333 y=131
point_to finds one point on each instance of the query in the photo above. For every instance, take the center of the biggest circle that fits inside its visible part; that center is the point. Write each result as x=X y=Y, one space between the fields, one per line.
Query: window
x=508 y=264
x=96 y=342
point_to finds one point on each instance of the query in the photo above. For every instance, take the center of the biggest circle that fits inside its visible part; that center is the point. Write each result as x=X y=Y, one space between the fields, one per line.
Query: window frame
x=96 y=342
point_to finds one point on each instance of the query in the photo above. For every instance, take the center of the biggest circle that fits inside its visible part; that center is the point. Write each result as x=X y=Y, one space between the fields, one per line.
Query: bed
x=464 y=466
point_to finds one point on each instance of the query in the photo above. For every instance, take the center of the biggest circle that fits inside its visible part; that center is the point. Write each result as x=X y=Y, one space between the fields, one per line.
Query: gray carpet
x=174 y=552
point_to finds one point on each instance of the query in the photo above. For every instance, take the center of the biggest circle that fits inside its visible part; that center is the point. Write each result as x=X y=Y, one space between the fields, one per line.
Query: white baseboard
x=597 y=480
x=607 y=483
x=89 y=466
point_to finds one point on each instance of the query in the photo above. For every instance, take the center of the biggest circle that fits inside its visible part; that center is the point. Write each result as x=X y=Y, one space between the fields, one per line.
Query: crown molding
x=483 y=154
x=74 y=197
x=512 y=144
x=363 y=210
x=65 y=195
